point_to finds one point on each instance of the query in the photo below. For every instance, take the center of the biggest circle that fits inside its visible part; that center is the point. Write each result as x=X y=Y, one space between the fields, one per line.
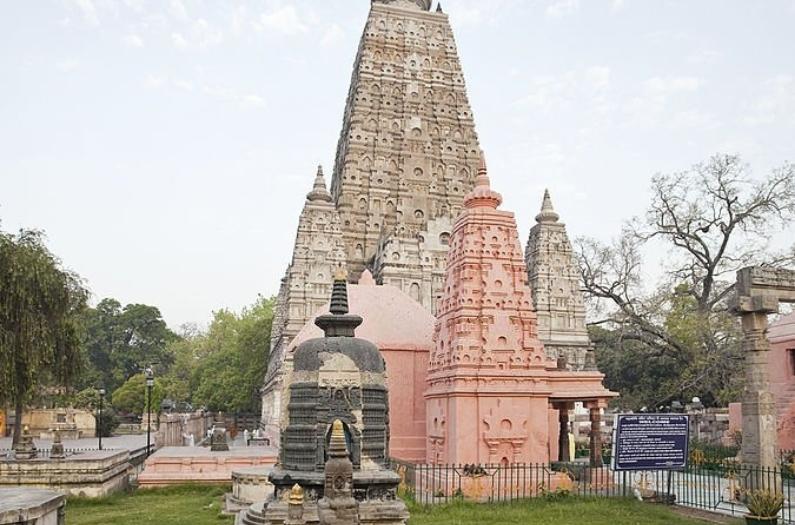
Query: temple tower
x=481 y=404
x=319 y=251
x=557 y=295
x=408 y=148
x=406 y=157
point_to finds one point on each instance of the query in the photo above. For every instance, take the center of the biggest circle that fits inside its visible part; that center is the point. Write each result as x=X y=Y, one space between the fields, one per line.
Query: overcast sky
x=166 y=146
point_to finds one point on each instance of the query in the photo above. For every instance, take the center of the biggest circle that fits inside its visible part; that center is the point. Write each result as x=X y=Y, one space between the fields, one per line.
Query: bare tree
x=709 y=222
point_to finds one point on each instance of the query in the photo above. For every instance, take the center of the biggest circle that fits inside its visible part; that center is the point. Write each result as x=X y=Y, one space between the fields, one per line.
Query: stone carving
x=555 y=283
x=759 y=291
x=25 y=448
x=490 y=381
x=318 y=252
x=425 y=5
x=335 y=444
x=406 y=157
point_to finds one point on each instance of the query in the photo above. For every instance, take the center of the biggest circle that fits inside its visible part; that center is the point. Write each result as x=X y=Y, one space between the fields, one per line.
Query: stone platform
x=88 y=474
x=177 y=465
x=249 y=485
x=26 y=505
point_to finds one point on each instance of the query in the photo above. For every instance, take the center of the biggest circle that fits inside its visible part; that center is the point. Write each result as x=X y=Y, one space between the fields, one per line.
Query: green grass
x=569 y=511
x=184 y=505
x=201 y=505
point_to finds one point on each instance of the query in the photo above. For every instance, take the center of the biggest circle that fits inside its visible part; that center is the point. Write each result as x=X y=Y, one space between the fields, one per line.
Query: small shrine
x=494 y=396
x=334 y=463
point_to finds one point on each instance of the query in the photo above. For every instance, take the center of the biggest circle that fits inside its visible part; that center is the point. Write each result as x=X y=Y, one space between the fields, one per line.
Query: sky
x=166 y=146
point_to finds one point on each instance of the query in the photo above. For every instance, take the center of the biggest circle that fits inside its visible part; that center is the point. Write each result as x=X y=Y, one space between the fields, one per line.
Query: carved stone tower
x=335 y=445
x=406 y=156
x=408 y=149
x=485 y=401
x=319 y=251
x=557 y=295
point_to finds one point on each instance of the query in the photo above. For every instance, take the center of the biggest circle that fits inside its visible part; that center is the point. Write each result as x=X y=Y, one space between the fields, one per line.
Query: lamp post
x=101 y=398
x=150 y=382
x=698 y=408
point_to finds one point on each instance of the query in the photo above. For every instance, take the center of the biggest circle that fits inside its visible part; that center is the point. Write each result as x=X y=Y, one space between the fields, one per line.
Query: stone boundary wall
x=175 y=429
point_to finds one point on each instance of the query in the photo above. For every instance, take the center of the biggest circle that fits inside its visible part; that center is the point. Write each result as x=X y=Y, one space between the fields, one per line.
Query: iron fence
x=716 y=487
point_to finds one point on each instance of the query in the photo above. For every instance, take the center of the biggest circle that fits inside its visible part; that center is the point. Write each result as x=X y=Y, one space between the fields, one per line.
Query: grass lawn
x=186 y=505
x=197 y=505
x=570 y=511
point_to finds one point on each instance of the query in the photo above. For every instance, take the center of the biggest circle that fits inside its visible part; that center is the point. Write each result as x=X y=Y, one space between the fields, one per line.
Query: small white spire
x=548 y=213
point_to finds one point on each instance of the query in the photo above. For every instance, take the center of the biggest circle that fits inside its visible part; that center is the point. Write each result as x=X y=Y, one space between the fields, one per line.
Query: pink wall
x=781 y=370
x=406 y=370
x=781 y=366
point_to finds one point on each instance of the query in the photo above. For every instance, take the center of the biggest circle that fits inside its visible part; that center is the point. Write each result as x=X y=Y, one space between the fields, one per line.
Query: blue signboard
x=651 y=442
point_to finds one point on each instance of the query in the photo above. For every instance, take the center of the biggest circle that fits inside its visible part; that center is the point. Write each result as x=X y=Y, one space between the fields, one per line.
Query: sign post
x=651 y=442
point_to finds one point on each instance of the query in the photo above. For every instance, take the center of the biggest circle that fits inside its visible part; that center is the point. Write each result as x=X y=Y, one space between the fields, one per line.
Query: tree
x=709 y=222
x=120 y=341
x=131 y=396
x=233 y=358
x=40 y=307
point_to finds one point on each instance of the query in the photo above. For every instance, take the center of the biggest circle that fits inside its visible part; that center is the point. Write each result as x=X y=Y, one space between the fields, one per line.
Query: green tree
x=131 y=396
x=40 y=307
x=120 y=341
x=233 y=357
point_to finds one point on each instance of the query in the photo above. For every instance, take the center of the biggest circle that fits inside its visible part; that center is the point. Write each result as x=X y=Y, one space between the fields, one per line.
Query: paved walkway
x=120 y=442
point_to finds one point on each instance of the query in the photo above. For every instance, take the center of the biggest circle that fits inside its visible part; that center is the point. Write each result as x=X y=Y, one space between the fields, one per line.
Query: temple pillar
x=758 y=408
x=596 y=436
x=563 y=434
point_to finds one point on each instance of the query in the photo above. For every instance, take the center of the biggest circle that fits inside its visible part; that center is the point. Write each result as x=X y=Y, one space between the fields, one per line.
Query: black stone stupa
x=337 y=378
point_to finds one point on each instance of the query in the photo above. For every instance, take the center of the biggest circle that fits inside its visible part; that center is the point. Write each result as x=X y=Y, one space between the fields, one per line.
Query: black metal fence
x=716 y=487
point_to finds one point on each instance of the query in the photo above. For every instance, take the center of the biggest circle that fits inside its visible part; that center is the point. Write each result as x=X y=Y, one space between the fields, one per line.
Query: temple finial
x=439 y=8
x=482 y=194
x=483 y=172
x=319 y=191
x=548 y=213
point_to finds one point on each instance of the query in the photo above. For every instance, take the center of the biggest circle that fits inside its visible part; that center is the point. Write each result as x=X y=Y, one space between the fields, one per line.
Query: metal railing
x=716 y=487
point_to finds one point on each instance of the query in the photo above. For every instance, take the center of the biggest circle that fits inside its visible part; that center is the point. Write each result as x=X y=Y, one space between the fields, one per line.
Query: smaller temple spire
x=339 y=293
x=439 y=8
x=482 y=194
x=319 y=191
x=339 y=323
x=548 y=213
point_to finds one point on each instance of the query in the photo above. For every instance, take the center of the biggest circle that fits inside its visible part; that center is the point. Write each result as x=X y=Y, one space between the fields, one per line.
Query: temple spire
x=339 y=323
x=425 y=5
x=482 y=194
x=439 y=8
x=319 y=191
x=548 y=213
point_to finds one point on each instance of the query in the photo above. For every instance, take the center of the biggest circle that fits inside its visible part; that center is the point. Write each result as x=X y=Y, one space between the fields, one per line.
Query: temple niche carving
x=408 y=149
x=557 y=296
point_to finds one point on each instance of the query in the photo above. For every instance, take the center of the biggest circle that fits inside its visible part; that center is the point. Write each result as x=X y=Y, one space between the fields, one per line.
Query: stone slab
x=26 y=505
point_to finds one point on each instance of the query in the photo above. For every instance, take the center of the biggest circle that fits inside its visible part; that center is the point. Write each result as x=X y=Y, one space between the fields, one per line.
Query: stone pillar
x=596 y=437
x=563 y=436
x=759 y=408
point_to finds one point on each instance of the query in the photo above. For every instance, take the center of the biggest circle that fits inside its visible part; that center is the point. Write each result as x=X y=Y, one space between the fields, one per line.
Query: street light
x=101 y=398
x=150 y=382
x=698 y=409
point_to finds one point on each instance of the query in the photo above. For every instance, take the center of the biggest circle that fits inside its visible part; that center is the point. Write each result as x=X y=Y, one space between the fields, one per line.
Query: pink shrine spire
x=482 y=195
